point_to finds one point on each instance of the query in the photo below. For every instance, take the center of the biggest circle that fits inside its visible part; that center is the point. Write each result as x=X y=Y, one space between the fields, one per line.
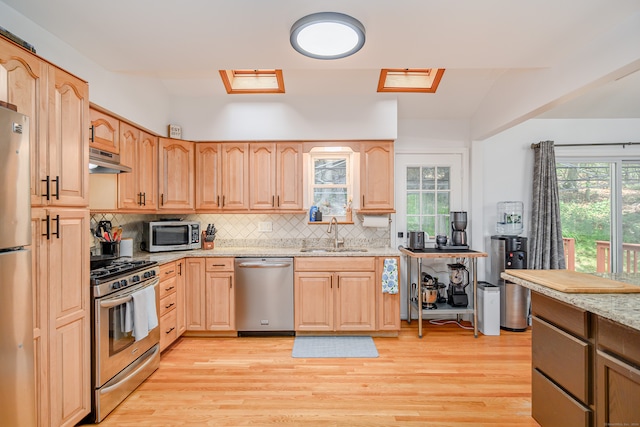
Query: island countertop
x=621 y=308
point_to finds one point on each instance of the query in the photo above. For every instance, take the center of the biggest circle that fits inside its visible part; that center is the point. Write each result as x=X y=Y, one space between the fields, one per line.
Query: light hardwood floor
x=447 y=378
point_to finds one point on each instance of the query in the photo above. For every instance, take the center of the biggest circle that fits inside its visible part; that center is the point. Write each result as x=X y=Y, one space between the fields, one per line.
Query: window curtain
x=546 y=250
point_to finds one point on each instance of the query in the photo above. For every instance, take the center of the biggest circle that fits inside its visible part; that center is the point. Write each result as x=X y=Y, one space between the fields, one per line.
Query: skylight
x=422 y=80
x=252 y=81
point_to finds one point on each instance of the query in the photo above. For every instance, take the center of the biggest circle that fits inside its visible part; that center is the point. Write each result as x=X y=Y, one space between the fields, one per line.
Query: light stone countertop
x=621 y=308
x=164 y=257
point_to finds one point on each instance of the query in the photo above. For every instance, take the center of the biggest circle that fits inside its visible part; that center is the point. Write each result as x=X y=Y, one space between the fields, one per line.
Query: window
x=331 y=181
x=428 y=199
x=600 y=212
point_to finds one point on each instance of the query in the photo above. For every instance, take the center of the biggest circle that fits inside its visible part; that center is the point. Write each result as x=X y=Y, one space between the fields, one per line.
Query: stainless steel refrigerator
x=17 y=382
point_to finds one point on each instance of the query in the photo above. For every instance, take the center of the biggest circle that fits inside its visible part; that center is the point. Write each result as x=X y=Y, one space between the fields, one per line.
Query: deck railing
x=570 y=253
x=630 y=257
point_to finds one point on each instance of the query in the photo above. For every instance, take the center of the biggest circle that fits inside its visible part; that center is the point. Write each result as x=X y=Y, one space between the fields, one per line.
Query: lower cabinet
x=168 y=305
x=335 y=294
x=388 y=304
x=210 y=295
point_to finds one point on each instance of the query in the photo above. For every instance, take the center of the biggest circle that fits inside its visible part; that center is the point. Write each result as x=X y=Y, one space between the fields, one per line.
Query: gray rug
x=312 y=347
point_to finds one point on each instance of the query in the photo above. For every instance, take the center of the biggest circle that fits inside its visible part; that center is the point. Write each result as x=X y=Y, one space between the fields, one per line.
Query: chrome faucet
x=336 y=242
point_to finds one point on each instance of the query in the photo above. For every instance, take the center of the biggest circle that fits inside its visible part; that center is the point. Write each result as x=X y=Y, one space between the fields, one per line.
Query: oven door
x=115 y=346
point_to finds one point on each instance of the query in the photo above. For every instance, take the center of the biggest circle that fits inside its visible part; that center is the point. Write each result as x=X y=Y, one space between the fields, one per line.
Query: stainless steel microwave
x=173 y=235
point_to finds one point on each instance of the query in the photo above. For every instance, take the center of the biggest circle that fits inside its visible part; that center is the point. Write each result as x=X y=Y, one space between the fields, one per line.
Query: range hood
x=105 y=162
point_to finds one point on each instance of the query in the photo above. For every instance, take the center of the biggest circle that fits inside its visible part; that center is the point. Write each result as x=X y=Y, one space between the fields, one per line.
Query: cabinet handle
x=170 y=305
x=169 y=272
x=162 y=199
x=92 y=134
x=57 y=180
x=217 y=265
x=218 y=201
x=363 y=200
x=48 y=193
x=169 y=288
x=223 y=201
x=273 y=201
x=48 y=227
x=57 y=233
x=169 y=330
x=278 y=201
x=180 y=269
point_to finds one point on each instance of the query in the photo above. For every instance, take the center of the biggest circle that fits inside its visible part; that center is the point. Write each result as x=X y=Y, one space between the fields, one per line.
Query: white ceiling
x=184 y=43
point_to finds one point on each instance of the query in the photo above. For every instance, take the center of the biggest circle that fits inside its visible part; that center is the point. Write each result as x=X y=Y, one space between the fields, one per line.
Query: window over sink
x=330 y=180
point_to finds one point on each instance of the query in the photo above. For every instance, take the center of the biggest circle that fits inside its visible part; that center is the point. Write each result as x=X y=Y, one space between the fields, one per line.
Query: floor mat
x=342 y=346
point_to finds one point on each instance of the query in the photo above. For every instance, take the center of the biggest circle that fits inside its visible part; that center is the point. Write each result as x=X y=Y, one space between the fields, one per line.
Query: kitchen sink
x=320 y=250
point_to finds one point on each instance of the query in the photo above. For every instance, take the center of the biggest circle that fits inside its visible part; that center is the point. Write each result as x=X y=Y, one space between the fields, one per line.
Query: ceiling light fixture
x=327 y=35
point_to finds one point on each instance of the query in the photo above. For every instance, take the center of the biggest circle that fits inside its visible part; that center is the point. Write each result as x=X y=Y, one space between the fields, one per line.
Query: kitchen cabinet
x=167 y=289
x=210 y=295
x=181 y=309
x=138 y=190
x=105 y=132
x=376 y=177
x=276 y=172
x=388 y=309
x=222 y=171
x=177 y=175
x=335 y=294
x=62 y=314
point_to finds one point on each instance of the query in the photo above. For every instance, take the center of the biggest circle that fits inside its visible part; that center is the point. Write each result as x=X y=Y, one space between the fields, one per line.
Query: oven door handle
x=109 y=303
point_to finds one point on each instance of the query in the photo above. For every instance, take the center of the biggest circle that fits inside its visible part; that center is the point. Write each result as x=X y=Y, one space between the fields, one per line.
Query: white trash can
x=488 y=308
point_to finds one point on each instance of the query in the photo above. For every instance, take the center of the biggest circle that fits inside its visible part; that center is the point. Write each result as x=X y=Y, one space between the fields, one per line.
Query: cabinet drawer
x=561 y=357
x=563 y=315
x=335 y=264
x=167 y=270
x=167 y=286
x=551 y=406
x=168 y=329
x=219 y=264
x=168 y=303
x=620 y=340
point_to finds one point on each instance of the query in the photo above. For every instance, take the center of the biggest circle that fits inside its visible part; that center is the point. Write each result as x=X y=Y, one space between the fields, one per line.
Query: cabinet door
x=39 y=279
x=376 y=176
x=68 y=140
x=105 y=132
x=618 y=388
x=147 y=171
x=235 y=176
x=388 y=304
x=356 y=301
x=181 y=308
x=69 y=316
x=220 y=302
x=262 y=167
x=194 y=294
x=313 y=296
x=176 y=172
x=128 y=193
x=23 y=82
x=289 y=175
x=208 y=173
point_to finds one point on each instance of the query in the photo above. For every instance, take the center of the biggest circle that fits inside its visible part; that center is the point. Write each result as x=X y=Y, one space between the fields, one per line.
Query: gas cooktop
x=117 y=269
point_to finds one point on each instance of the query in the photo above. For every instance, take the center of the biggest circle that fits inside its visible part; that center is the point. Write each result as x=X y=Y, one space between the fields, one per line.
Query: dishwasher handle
x=264 y=265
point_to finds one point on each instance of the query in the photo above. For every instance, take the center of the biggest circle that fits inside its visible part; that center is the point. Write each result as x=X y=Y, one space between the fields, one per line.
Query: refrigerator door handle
x=57 y=233
x=47 y=234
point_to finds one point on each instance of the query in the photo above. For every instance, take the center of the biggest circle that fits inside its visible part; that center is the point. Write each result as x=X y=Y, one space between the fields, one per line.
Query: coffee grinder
x=458 y=282
x=458 y=230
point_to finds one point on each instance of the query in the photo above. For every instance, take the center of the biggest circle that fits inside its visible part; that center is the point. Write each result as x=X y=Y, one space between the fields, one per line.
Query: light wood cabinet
x=167 y=289
x=62 y=314
x=388 y=310
x=276 y=176
x=181 y=309
x=210 y=295
x=105 y=132
x=138 y=190
x=376 y=177
x=177 y=175
x=208 y=176
x=335 y=294
x=222 y=175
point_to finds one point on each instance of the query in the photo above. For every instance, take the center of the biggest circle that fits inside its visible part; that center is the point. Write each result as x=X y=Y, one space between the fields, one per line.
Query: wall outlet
x=265 y=226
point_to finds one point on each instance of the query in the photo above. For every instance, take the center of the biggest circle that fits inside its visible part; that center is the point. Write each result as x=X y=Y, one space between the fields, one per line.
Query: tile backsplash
x=288 y=230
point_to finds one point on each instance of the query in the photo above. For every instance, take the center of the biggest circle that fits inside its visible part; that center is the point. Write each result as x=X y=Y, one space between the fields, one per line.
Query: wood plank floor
x=447 y=378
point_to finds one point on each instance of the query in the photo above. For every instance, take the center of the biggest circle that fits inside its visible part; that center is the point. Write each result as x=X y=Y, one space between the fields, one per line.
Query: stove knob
x=123 y=283
x=115 y=285
x=152 y=272
x=146 y=275
x=135 y=278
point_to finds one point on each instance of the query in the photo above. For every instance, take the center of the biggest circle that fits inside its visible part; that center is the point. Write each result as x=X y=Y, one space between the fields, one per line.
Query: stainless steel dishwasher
x=264 y=296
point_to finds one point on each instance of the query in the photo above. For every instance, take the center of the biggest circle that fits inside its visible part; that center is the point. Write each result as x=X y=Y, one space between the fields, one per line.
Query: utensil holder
x=110 y=248
x=205 y=244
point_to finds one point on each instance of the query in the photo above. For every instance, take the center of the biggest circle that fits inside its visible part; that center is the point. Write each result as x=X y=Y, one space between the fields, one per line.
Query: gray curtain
x=546 y=250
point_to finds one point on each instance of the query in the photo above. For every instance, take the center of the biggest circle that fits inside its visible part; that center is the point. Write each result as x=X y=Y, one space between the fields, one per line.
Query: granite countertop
x=621 y=308
x=164 y=257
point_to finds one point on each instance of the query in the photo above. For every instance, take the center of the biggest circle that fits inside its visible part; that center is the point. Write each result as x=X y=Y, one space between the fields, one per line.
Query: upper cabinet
x=222 y=176
x=105 y=132
x=376 y=177
x=276 y=176
x=138 y=190
x=177 y=175
x=57 y=104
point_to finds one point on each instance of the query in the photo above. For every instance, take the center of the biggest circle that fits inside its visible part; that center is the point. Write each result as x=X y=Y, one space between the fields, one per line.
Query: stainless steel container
x=416 y=240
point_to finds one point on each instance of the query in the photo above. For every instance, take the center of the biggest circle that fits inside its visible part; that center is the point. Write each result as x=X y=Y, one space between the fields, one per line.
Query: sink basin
x=321 y=250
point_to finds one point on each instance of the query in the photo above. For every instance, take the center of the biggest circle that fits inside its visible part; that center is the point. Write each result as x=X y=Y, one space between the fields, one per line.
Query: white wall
x=508 y=159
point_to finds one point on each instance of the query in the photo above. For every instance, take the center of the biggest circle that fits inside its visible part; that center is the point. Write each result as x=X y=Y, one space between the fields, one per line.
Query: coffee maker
x=458 y=282
x=458 y=230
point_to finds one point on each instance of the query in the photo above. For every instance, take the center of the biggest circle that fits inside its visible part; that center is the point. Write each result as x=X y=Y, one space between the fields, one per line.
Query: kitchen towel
x=145 y=317
x=379 y=221
x=390 y=276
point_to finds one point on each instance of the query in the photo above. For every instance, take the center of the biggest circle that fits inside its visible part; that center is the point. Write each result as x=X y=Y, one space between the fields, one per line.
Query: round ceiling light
x=327 y=35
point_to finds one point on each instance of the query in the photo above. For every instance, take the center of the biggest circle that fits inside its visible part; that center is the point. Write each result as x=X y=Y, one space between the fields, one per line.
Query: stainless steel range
x=125 y=334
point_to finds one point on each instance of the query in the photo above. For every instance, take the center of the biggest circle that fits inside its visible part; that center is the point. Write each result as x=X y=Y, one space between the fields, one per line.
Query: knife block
x=205 y=244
